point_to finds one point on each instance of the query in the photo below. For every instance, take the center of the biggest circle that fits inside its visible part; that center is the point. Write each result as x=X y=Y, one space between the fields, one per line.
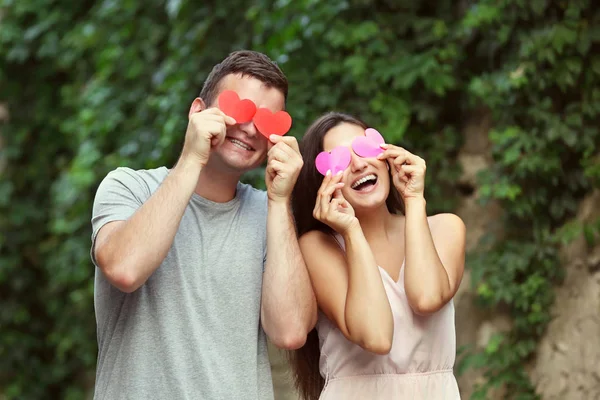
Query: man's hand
x=206 y=130
x=284 y=163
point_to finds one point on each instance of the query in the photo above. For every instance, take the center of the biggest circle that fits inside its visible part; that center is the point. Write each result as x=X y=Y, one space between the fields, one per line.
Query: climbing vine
x=543 y=88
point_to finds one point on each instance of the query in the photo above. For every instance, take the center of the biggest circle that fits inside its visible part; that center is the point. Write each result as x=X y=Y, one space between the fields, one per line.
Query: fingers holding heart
x=393 y=152
x=290 y=141
x=339 y=200
x=286 y=154
x=408 y=170
x=331 y=208
x=279 y=153
x=329 y=186
x=280 y=174
x=325 y=200
x=274 y=167
x=398 y=156
x=338 y=204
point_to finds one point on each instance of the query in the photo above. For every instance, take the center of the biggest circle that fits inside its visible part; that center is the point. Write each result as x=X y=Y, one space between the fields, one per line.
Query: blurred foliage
x=94 y=85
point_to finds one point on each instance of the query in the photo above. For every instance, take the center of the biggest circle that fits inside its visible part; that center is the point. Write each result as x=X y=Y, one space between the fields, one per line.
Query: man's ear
x=197 y=106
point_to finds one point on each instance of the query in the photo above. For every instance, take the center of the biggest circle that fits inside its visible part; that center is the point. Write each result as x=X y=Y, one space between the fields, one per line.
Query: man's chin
x=241 y=169
x=234 y=165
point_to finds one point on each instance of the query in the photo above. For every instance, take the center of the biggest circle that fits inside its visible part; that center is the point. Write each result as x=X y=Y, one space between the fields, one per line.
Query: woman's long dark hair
x=305 y=361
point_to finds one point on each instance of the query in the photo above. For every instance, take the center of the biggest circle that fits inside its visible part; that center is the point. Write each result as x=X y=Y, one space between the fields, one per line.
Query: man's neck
x=216 y=185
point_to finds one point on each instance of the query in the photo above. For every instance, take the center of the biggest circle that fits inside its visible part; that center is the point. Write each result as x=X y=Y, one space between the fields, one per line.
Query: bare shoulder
x=317 y=240
x=447 y=225
x=322 y=254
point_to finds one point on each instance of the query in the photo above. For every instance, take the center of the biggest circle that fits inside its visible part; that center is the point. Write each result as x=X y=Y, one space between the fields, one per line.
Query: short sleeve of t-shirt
x=118 y=196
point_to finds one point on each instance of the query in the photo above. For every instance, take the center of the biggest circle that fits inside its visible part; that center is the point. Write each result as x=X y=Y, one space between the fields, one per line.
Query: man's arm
x=129 y=251
x=131 y=247
x=288 y=308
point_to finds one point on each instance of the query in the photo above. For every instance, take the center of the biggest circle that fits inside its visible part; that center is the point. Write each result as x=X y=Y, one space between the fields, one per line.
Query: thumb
x=230 y=120
x=275 y=138
x=340 y=199
x=338 y=194
x=336 y=203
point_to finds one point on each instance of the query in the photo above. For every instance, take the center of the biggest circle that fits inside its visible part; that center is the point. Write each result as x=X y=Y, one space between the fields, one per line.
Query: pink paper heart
x=335 y=161
x=368 y=145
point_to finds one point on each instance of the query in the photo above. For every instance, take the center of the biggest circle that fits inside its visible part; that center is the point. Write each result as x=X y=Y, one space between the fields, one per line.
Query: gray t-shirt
x=192 y=331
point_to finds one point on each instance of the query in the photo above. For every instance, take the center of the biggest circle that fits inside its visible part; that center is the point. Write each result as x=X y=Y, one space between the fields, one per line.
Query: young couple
x=341 y=267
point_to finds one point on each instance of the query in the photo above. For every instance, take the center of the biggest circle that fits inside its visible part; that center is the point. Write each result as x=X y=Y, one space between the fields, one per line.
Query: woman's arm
x=435 y=257
x=349 y=288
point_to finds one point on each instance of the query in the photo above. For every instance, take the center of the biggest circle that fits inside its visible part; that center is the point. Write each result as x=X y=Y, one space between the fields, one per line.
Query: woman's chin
x=366 y=205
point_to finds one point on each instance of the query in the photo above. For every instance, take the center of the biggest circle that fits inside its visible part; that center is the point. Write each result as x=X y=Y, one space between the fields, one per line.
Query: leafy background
x=92 y=85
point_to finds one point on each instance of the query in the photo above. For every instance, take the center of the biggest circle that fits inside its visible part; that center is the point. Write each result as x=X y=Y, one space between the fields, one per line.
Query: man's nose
x=249 y=129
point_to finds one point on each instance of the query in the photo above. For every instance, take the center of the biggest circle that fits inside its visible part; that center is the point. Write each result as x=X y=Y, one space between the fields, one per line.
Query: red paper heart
x=240 y=110
x=269 y=124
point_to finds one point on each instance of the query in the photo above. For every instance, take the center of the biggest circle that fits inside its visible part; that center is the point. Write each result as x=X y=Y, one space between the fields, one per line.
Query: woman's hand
x=408 y=171
x=331 y=207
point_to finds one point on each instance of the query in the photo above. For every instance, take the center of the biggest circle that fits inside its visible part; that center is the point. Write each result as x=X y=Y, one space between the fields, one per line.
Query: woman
x=384 y=273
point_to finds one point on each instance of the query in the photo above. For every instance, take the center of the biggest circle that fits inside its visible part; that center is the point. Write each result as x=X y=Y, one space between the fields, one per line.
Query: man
x=185 y=288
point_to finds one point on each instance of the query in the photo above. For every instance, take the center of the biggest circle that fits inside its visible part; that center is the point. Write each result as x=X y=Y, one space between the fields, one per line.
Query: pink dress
x=419 y=365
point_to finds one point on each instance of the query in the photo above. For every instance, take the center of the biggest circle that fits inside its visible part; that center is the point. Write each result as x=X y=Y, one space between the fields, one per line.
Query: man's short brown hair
x=246 y=63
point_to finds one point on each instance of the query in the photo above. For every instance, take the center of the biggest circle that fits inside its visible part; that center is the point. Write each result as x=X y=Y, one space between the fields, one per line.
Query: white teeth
x=363 y=180
x=240 y=144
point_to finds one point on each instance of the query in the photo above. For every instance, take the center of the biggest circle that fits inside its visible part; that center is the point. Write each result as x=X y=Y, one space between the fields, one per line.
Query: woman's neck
x=377 y=224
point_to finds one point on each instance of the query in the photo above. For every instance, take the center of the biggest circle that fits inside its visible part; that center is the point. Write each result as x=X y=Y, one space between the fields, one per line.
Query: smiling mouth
x=240 y=144
x=364 y=183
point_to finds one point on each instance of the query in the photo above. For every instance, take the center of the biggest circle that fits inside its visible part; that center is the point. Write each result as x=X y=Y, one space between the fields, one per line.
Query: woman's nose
x=357 y=163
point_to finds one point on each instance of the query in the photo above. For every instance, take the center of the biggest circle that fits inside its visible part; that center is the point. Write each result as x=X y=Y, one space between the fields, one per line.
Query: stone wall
x=473 y=325
x=567 y=364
